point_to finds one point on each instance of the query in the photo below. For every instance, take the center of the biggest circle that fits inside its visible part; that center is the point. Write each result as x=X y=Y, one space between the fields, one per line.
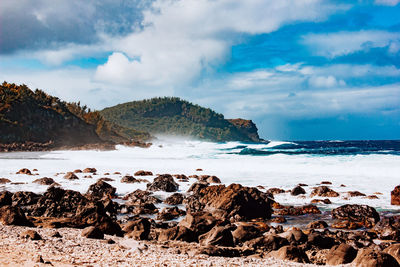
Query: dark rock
x=196 y=187
x=291 y=253
x=90 y=170
x=317 y=225
x=219 y=235
x=101 y=189
x=267 y=243
x=174 y=199
x=294 y=235
x=5 y=198
x=296 y=211
x=298 y=190
x=93 y=232
x=24 y=171
x=275 y=191
x=324 y=191
x=140 y=197
x=245 y=232
x=143 y=173
x=320 y=241
x=278 y=219
x=168 y=214
x=163 y=182
x=324 y=201
x=44 y=181
x=4 y=181
x=24 y=198
x=129 y=179
x=106 y=179
x=355 y=194
x=373 y=258
x=31 y=234
x=388 y=228
x=137 y=229
x=181 y=177
x=341 y=254
x=77 y=171
x=394 y=251
x=395 y=196
x=363 y=214
x=56 y=234
x=70 y=176
x=199 y=222
x=13 y=216
x=180 y=233
x=209 y=179
x=219 y=251
x=145 y=208
x=326 y=182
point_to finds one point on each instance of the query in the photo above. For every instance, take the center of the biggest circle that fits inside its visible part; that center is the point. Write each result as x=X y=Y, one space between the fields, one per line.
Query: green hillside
x=173 y=116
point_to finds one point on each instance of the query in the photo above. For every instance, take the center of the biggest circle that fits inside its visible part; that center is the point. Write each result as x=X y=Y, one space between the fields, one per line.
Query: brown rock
x=290 y=253
x=395 y=196
x=143 y=173
x=44 y=181
x=296 y=211
x=278 y=219
x=372 y=197
x=4 y=181
x=168 y=214
x=117 y=173
x=317 y=225
x=363 y=214
x=31 y=234
x=267 y=243
x=90 y=170
x=219 y=235
x=106 y=179
x=199 y=170
x=341 y=254
x=218 y=251
x=199 y=222
x=245 y=232
x=298 y=190
x=77 y=171
x=163 y=182
x=324 y=201
x=5 y=198
x=174 y=199
x=13 y=216
x=101 y=189
x=394 y=251
x=180 y=233
x=24 y=171
x=70 y=176
x=93 y=232
x=209 y=179
x=324 y=191
x=326 y=182
x=140 y=197
x=196 y=187
x=129 y=179
x=367 y=257
x=355 y=194
x=138 y=229
x=275 y=191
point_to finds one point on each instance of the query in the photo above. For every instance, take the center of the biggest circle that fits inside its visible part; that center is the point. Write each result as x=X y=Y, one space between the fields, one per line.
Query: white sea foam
x=365 y=173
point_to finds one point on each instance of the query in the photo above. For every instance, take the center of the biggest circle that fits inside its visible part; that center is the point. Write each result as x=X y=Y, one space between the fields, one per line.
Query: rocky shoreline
x=210 y=224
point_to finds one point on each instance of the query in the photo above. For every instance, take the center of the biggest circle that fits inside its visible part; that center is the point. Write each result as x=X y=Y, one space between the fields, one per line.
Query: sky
x=300 y=69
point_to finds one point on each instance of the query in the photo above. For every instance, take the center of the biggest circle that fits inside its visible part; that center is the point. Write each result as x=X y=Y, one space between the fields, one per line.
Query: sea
x=370 y=167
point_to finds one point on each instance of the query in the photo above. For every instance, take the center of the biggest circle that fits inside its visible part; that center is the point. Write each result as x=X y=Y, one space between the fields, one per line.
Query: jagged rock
x=13 y=216
x=394 y=251
x=267 y=243
x=324 y=191
x=317 y=225
x=341 y=254
x=4 y=181
x=363 y=214
x=129 y=179
x=138 y=229
x=24 y=171
x=24 y=198
x=5 y=198
x=291 y=253
x=320 y=241
x=298 y=190
x=196 y=187
x=44 y=181
x=101 y=189
x=209 y=179
x=234 y=201
x=395 y=196
x=93 y=232
x=275 y=191
x=140 y=197
x=316 y=255
x=70 y=176
x=145 y=208
x=180 y=233
x=168 y=214
x=143 y=173
x=163 y=182
x=296 y=211
x=245 y=232
x=30 y=234
x=373 y=258
x=90 y=170
x=218 y=235
x=388 y=228
x=199 y=222
x=174 y=199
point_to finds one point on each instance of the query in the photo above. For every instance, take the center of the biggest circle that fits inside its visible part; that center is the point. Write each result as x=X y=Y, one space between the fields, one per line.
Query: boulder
x=363 y=214
x=44 y=181
x=317 y=225
x=71 y=176
x=13 y=216
x=77 y=171
x=275 y=191
x=388 y=228
x=30 y=234
x=355 y=194
x=296 y=211
x=137 y=229
x=168 y=214
x=267 y=243
x=93 y=232
x=143 y=173
x=324 y=201
x=4 y=181
x=368 y=257
x=174 y=199
x=5 y=198
x=298 y=190
x=140 y=197
x=24 y=171
x=106 y=179
x=218 y=235
x=101 y=189
x=129 y=179
x=245 y=232
x=341 y=254
x=24 y=198
x=181 y=177
x=163 y=182
x=90 y=170
x=196 y=187
x=209 y=179
x=199 y=222
x=217 y=251
x=324 y=191
x=294 y=235
x=235 y=201
x=395 y=196
x=394 y=251
x=320 y=241
x=291 y=253
x=179 y=233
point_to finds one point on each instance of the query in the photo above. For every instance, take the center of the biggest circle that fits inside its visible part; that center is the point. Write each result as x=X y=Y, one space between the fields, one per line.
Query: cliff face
x=247 y=127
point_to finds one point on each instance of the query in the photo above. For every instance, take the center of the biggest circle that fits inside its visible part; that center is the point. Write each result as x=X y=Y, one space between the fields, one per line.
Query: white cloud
x=342 y=43
x=387 y=2
x=181 y=39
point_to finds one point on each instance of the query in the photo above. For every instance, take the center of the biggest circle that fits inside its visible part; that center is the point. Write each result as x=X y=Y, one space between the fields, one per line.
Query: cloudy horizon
x=301 y=70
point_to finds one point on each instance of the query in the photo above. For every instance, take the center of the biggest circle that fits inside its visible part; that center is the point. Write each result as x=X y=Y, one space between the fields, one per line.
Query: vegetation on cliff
x=34 y=116
x=173 y=116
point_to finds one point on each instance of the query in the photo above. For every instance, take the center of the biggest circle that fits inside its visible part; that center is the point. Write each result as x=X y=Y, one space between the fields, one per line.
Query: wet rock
x=30 y=234
x=363 y=214
x=181 y=177
x=77 y=171
x=234 y=201
x=209 y=179
x=294 y=235
x=373 y=258
x=24 y=198
x=355 y=194
x=100 y=190
x=395 y=196
x=298 y=190
x=174 y=199
x=324 y=191
x=320 y=241
x=394 y=251
x=245 y=232
x=117 y=173
x=199 y=222
x=129 y=179
x=341 y=254
x=5 y=198
x=199 y=170
x=143 y=173
x=267 y=243
x=145 y=208
x=275 y=191
x=324 y=201
x=92 y=232
x=219 y=235
x=163 y=182
x=90 y=170
x=179 y=233
x=196 y=187
x=44 y=181
x=317 y=225
x=87 y=176
x=70 y=176
x=137 y=229
x=24 y=171
x=296 y=211
x=346 y=224
x=13 y=216
x=106 y=179
x=168 y=214
x=278 y=219
x=4 y=181
x=388 y=228
x=372 y=197
x=291 y=253
x=140 y=197
x=326 y=182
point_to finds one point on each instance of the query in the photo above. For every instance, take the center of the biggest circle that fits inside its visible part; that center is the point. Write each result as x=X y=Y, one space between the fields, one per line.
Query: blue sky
x=301 y=69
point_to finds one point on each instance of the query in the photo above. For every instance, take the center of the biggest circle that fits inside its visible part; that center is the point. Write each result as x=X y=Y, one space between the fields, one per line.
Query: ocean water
x=371 y=167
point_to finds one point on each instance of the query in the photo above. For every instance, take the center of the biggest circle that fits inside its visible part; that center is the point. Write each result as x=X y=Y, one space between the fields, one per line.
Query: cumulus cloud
x=343 y=43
